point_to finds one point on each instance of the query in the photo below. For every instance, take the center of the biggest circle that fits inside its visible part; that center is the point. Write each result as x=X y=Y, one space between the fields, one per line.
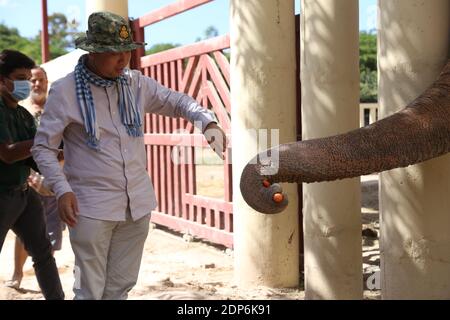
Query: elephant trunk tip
x=260 y=193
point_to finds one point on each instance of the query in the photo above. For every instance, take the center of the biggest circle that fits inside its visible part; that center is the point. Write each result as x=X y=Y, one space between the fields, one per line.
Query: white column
x=263 y=96
x=330 y=105
x=119 y=7
x=414 y=202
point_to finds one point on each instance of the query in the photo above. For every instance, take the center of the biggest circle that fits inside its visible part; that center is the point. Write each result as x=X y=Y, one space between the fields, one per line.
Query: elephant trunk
x=419 y=132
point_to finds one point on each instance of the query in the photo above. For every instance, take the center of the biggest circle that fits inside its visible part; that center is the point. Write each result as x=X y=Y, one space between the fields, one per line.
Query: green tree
x=62 y=34
x=160 y=47
x=368 y=86
x=61 y=38
x=212 y=32
x=209 y=32
x=10 y=38
x=368 y=67
x=62 y=31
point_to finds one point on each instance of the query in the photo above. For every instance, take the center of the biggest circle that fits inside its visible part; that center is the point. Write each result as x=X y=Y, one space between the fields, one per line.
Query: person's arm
x=48 y=138
x=167 y=102
x=32 y=164
x=164 y=101
x=13 y=152
x=46 y=150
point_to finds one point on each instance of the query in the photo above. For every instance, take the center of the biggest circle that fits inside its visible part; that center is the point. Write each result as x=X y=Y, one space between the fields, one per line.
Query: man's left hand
x=216 y=138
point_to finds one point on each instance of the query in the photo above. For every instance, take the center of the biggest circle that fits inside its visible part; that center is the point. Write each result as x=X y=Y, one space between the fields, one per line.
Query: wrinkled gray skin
x=419 y=132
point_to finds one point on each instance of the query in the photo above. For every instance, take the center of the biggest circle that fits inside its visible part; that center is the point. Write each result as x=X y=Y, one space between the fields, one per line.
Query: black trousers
x=22 y=212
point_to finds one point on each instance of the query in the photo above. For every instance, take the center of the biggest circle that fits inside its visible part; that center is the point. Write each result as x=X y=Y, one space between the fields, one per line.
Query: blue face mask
x=22 y=89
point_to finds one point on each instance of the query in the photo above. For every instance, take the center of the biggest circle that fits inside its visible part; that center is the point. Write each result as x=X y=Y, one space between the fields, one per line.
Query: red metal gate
x=200 y=70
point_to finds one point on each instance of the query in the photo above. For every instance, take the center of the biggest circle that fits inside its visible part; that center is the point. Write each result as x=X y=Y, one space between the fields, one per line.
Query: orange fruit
x=278 y=197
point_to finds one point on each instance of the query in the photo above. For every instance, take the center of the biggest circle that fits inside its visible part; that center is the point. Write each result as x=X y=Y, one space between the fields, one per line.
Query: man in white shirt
x=105 y=194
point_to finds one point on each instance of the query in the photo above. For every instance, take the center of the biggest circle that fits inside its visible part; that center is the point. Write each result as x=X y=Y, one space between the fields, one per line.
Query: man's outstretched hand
x=216 y=138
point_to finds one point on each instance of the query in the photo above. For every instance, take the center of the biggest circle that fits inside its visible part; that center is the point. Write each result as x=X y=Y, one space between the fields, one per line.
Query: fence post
x=299 y=138
x=139 y=36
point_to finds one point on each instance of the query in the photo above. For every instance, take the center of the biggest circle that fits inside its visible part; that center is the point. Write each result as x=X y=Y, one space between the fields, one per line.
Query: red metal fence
x=200 y=70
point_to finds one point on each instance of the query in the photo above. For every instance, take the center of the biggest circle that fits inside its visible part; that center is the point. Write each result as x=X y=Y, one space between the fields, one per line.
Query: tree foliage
x=61 y=38
x=62 y=34
x=160 y=47
x=368 y=67
x=209 y=32
x=10 y=38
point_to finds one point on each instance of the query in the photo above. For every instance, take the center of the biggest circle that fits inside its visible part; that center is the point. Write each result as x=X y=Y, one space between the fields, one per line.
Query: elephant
x=419 y=132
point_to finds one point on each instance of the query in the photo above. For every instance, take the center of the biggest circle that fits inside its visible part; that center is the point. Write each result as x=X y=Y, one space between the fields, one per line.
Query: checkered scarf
x=129 y=113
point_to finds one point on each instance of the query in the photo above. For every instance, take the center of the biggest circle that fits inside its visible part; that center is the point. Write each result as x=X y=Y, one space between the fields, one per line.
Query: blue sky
x=182 y=29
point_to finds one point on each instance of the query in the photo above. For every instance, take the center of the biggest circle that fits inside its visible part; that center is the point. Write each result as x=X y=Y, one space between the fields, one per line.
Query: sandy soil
x=173 y=268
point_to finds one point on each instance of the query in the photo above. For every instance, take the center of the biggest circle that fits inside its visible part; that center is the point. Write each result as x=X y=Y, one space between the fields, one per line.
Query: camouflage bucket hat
x=107 y=32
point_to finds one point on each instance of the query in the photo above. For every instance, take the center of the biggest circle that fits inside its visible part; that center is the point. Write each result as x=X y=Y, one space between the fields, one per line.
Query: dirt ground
x=173 y=268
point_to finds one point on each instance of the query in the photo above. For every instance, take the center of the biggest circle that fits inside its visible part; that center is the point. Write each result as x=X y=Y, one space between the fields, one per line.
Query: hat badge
x=124 y=32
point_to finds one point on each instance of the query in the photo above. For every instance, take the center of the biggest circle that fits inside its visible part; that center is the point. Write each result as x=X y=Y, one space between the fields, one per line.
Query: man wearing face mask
x=20 y=207
x=55 y=226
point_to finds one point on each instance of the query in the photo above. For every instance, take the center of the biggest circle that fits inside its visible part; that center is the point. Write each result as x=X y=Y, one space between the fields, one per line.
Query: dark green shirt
x=15 y=125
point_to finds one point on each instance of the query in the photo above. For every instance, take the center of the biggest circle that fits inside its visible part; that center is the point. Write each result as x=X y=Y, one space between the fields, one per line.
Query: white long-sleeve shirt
x=105 y=182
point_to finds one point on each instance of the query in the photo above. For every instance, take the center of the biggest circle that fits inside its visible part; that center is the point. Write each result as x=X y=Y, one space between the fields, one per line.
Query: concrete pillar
x=330 y=105
x=119 y=7
x=263 y=96
x=414 y=202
